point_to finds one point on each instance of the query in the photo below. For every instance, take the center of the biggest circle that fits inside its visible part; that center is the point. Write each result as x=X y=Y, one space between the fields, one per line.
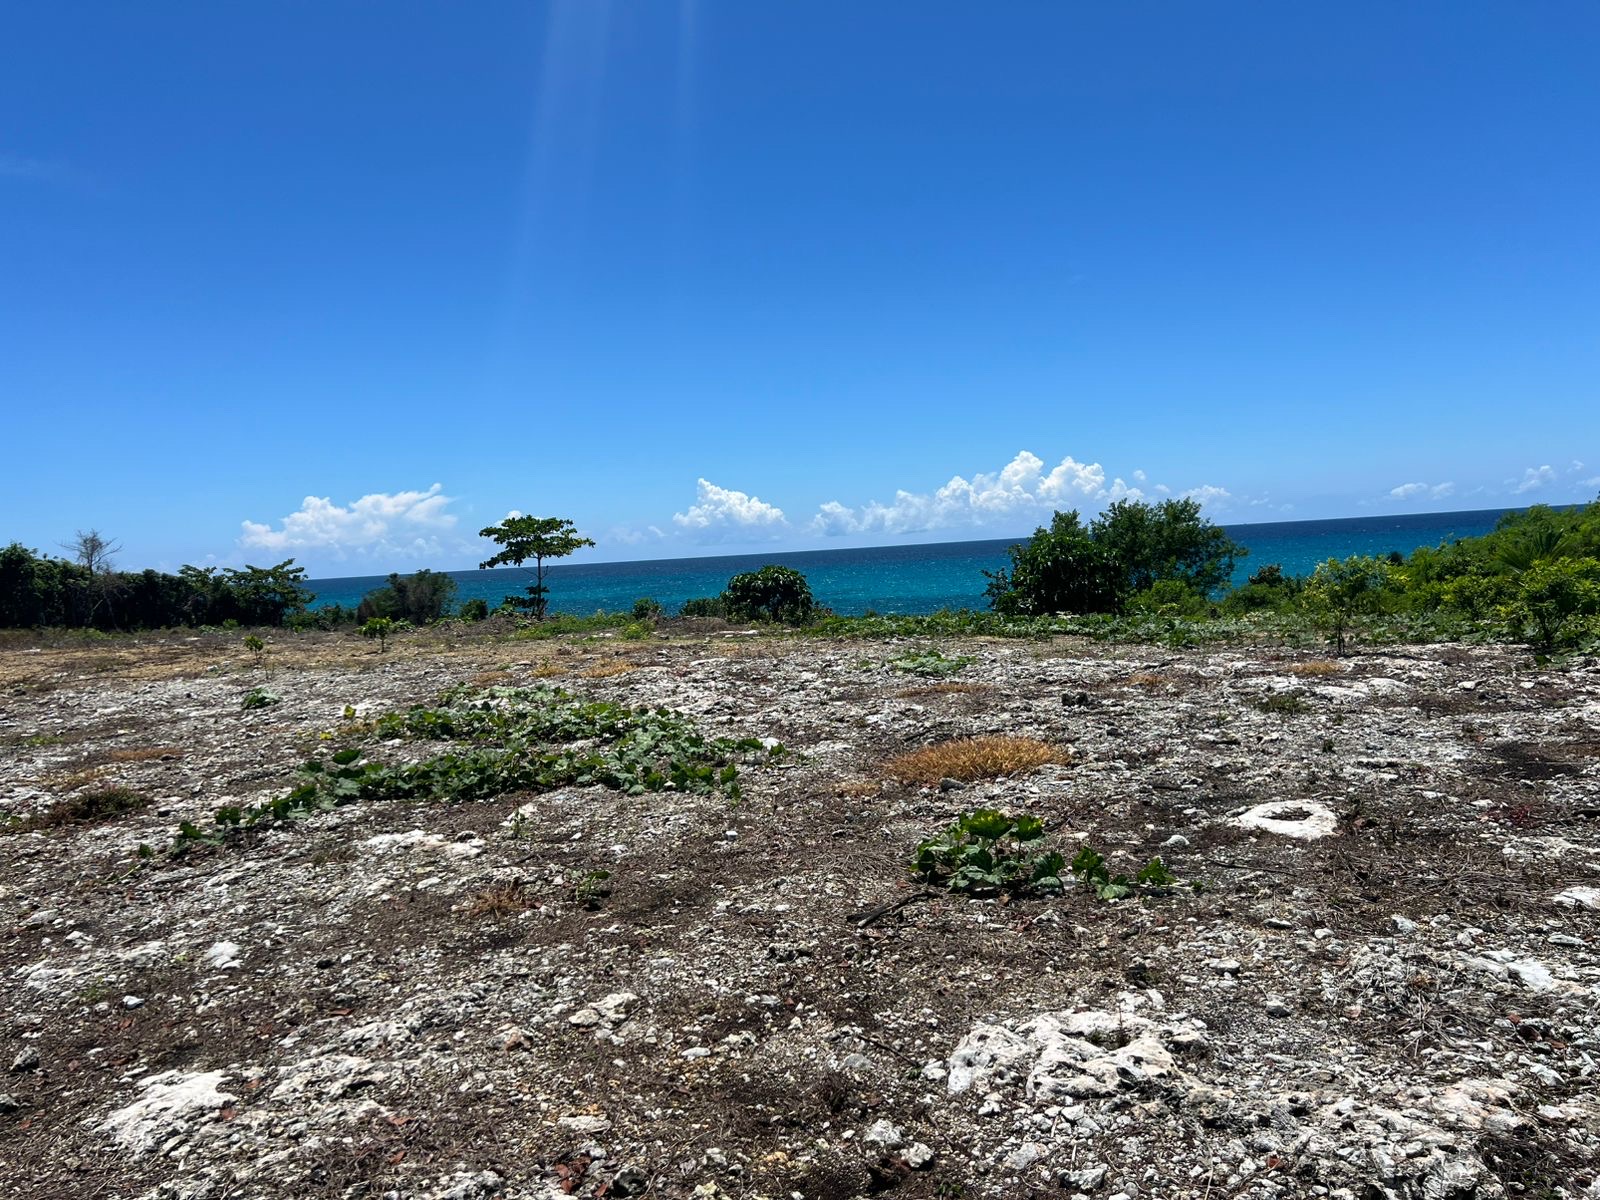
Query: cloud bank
x=1413 y=491
x=721 y=512
x=387 y=524
x=1022 y=487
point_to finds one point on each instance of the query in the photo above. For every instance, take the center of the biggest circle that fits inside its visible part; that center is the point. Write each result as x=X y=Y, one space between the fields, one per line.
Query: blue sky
x=347 y=281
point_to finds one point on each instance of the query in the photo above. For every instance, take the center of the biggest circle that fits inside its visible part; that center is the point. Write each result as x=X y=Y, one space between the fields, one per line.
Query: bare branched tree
x=92 y=551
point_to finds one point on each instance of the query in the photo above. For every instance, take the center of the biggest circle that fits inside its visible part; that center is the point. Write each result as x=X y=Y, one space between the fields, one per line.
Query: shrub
x=476 y=609
x=257 y=698
x=1059 y=570
x=1342 y=590
x=421 y=598
x=1553 y=600
x=987 y=851
x=777 y=594
x=1128 y=549
x=1169 y=598
x=381 y=628
x=705 y=606
x=646 y=609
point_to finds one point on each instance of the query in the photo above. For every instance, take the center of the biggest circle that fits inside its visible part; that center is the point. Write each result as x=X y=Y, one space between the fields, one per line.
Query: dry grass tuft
x=485 y=679
x=1314 y=670
x=974 y=758
x=88 y=808
x=1149 y=682
x=940 y=689
x=548 y=670
x=608 y=670
x=857 y=789
x=141 y=754
x=502 y=900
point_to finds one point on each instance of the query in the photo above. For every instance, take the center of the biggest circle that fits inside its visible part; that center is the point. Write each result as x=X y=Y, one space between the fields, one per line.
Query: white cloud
x=720 y=510
x=381 y=523
x=1595 y=482
x=1437 y=491
x=1534 y=478
x=1022 y=487
x=1209 y=496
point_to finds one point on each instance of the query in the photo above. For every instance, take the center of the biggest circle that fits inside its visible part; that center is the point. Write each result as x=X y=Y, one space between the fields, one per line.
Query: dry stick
x=863 y=919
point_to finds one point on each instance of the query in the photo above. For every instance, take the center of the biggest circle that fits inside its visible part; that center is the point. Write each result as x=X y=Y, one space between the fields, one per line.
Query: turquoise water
x=916 y=579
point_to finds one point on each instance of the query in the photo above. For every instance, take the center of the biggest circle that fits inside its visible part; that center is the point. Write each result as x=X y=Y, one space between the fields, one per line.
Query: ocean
x=915 y=579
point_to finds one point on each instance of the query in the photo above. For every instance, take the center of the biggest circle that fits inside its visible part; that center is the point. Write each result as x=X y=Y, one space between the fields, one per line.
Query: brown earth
x=1384 y=986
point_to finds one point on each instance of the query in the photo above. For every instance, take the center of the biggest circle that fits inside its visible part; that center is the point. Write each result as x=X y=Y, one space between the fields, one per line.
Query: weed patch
x=930 y=663
x=973 y=758
x=94 y=807
x=1284 y=704
x=510 y=740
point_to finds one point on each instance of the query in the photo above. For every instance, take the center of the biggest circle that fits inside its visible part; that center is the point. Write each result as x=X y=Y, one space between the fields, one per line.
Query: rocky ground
x=1385 y=987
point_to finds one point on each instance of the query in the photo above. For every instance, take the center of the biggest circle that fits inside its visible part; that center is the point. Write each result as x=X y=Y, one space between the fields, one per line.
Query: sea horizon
x=915 y=577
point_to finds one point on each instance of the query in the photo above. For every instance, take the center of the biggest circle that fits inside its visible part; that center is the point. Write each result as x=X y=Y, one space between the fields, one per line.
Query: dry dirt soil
x=1378 y=977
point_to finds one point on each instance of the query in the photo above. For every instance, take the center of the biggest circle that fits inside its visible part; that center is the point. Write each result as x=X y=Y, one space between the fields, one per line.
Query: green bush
x=1556 y=602
x=705 y=606
x=1341 y=591
x=381 y=628
x=1169 y=598
x=421 y=598
x=777 y=594
x=476 y=609
x=646 y=609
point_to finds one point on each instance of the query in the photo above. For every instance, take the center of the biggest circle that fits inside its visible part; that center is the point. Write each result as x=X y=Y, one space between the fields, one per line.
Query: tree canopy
x=538 y=538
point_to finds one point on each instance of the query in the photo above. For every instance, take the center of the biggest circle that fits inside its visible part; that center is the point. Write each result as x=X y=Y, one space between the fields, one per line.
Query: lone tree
x=92 y=551
x=537 y=538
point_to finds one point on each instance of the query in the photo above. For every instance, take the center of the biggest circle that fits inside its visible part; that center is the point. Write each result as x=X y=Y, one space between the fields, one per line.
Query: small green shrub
x=986 y=851
x=777 y=594
x=930 y=663
x=1090 y=870
x=256 y=647
x=637 y=631
x=476 y=609
x=646 y=609
x=258 y=698
x=381 y=628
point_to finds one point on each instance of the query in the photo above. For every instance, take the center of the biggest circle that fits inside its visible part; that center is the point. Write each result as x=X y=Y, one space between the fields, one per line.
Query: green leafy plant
x=538 y=538
x=592 y=889
x=1090 y=871
x=505 y=740
x=476 y=609
x=985 y=851
x=1283 y=704
x=930 y=663
x=258 y=698
x=646 y=609
x=256 y=647
x=381 y=628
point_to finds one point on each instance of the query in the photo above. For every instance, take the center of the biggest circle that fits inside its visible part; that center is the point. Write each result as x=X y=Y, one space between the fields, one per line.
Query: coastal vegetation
x=1139 y=572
